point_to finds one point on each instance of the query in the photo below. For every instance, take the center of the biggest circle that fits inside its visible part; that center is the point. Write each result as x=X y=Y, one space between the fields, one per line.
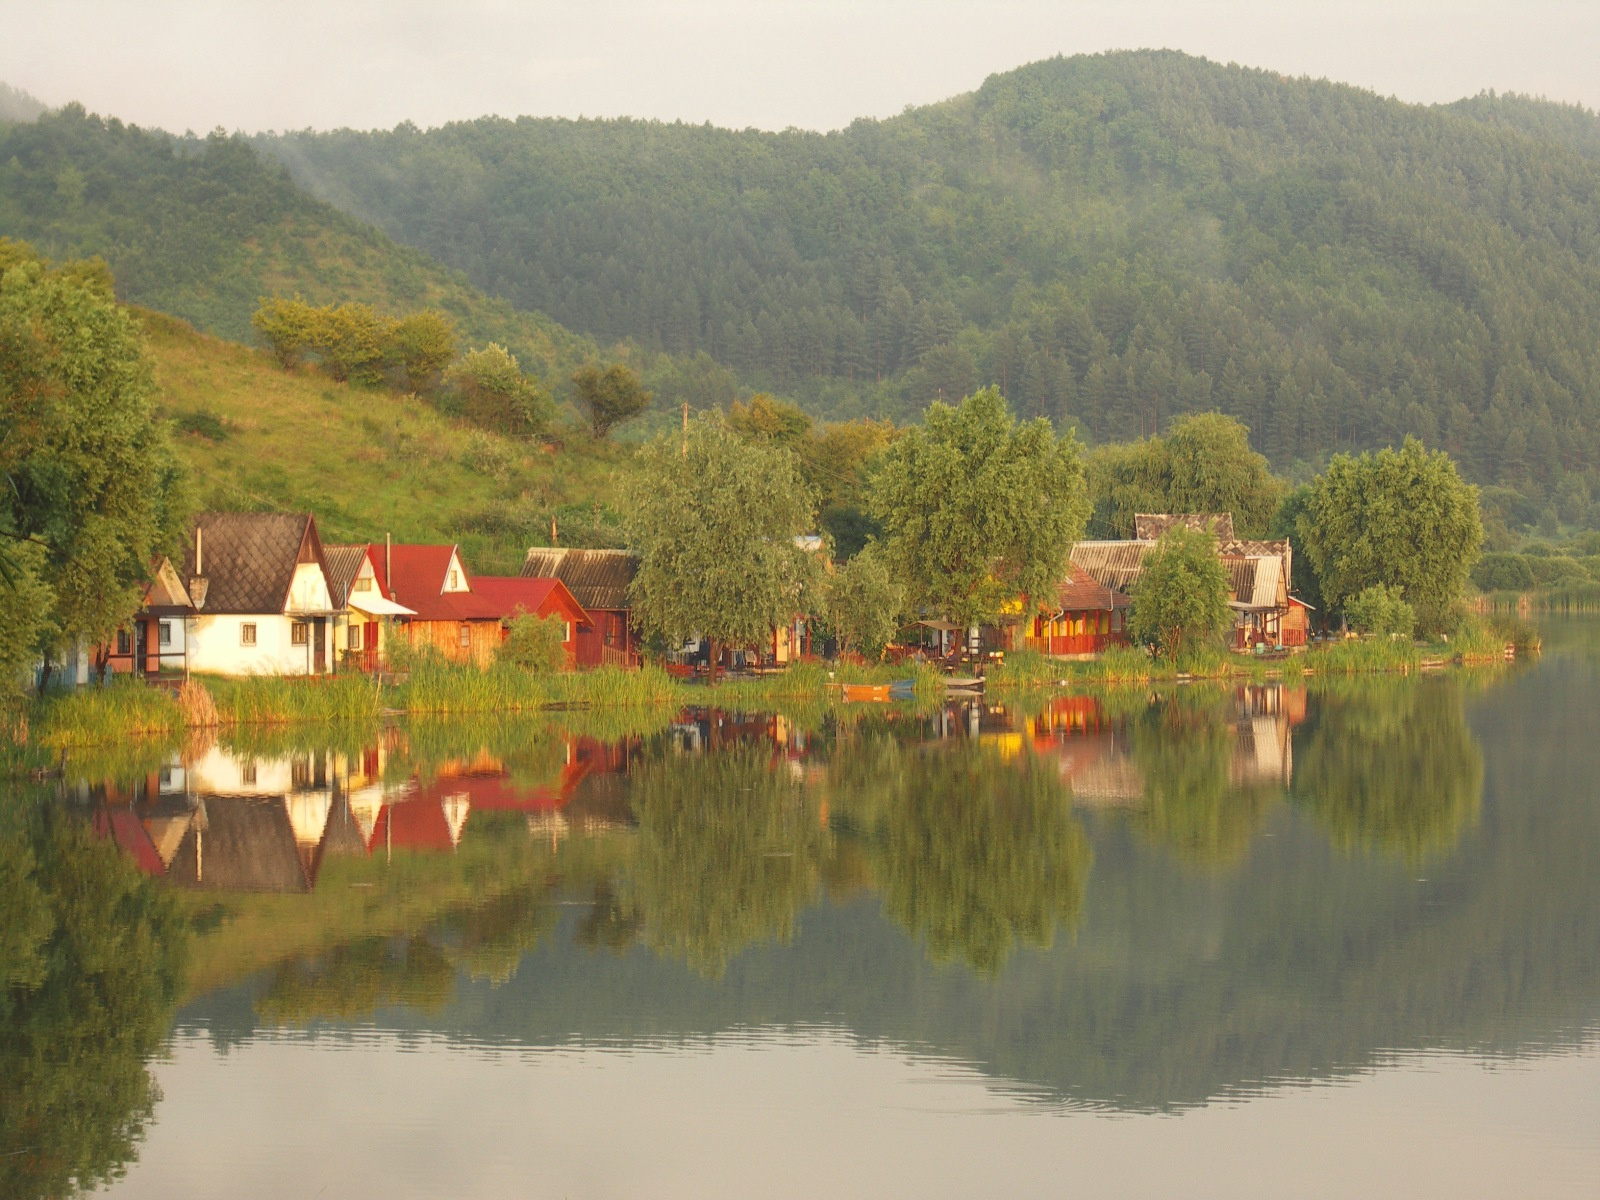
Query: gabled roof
x=343 y=564
x=1148 y=527
x=509 y=593
x=1081 y=592
x=249 y=559
x=418 y=579
x=1116 y=565
x=597 y=579
x=241 y=844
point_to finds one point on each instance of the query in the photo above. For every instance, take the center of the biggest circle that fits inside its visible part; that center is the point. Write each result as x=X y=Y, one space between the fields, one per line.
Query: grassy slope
x=364 y=462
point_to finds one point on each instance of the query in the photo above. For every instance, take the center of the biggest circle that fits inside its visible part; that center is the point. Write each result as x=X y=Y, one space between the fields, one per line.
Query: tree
x=289 y=328
x=1203 y=464
x=978 y=509
x=535 y=644
x=423 y=344
x=864 y=603
x=1286 y=524
x=1381 y=611
x=610 y=397
x=1404 y=518
x=87 y=474
x=1181 y=599
x=714 y=519
x=497 y=395
x=352 y=341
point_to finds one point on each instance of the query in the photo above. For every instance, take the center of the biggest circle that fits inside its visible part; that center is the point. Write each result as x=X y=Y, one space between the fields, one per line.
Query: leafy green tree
x=91 y=964
x=1203 y=464
x=865 y=604
x=423 y=344
x=1181 y=600
x=610 y=396
x=289 y=327
x=352 y=341
x=534 y=644
x=714 y=520
x=1403 y=518
x=87 y=473
x=978 y=509
x=1286 y=524
x=355 y=979
x=497 y=395
x=1381 y=611
x=27 y=608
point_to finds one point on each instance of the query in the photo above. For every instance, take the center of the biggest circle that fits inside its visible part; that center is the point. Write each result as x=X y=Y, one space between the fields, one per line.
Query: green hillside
x=1113 y=239
x=367 y=462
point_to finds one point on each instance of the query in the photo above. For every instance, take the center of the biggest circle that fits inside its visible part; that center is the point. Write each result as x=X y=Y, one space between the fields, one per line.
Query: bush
x=534 y=644
x=1381 y=611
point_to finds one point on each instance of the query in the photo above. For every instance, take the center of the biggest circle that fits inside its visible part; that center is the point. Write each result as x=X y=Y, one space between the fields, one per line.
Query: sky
x=254 y=65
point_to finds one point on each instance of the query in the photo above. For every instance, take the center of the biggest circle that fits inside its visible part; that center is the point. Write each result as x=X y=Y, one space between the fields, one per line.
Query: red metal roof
x=418 y=579
x=541 y=597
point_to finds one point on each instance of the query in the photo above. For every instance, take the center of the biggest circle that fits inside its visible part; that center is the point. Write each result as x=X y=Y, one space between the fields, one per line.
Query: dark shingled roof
x=249 y=558
x=597 y=579
x=341 y=564
x=1148 y=527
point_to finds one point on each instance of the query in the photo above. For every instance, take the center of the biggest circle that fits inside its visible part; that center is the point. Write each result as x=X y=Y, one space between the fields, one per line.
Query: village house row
x=260 y=594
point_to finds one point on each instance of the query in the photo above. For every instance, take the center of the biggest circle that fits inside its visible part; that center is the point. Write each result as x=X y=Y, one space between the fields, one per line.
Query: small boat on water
x=866 y=693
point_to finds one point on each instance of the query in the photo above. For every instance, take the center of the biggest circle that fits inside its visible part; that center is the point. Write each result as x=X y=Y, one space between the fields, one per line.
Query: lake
x=1335 y=938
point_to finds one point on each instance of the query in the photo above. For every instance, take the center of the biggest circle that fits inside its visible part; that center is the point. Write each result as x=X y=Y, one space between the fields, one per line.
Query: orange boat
x=870 y=693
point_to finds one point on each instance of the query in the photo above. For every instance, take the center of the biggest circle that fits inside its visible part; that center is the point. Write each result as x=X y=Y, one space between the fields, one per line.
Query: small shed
x=599 y=581
x=512 y=595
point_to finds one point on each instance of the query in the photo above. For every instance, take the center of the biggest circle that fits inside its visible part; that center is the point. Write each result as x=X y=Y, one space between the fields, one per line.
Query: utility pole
x=685 y=429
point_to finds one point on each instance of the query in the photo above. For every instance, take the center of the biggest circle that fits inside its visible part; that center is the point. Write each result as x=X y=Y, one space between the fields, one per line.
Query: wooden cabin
x=361 y=631
x=514 y=595
x=1088 y=617
x=598 y=581
x=447 y=615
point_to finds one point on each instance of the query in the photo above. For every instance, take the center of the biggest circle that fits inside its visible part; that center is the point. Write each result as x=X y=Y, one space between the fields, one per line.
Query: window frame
x=300 y=633
x=248 y=634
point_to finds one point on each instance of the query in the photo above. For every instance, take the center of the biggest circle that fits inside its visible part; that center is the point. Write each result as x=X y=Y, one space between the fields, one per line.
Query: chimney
x=388 y=564
x=199 y=551
x=553 y=540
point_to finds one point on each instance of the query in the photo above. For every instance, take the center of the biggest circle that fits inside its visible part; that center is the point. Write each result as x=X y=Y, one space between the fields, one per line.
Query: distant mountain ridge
x=1114 y=239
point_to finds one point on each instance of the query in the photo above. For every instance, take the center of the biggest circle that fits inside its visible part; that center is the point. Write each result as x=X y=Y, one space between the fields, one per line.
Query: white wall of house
x=309 y=591
x=219 y=771
x=218 y=645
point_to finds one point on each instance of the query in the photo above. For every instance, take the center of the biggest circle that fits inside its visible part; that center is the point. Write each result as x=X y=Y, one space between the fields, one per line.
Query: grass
x=1360 y=656
x=261 y=442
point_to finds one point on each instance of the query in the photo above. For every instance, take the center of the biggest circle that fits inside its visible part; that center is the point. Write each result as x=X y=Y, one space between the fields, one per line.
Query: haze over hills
x=1113 y=239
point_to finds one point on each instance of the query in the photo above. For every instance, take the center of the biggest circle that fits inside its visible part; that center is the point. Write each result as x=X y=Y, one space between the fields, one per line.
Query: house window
x=466 y=636
x=361 y=585
x=247 y=773
x=247 y=634
x=355 y=637
x=124 y=642
x=455 y=580
x=566 y=631
x=164 y=636
x=299 y=633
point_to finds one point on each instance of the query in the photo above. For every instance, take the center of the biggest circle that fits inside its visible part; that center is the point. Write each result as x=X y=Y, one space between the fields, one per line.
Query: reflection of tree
x=972 y=852
x=1184 y=748
x=609 y=922
x=493 y=937
x=354 y=980
x=90 y=962
x=1389 y=764
x=728 y=854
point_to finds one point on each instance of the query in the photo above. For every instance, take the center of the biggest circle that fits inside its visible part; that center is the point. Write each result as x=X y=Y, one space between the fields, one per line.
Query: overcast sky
x=288 y=64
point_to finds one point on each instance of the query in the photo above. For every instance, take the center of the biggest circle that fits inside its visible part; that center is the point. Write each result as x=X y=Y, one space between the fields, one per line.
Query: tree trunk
x=711 y=649
x=44 y=673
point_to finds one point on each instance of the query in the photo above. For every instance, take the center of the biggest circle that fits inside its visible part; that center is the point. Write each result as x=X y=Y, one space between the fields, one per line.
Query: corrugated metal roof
x=341 y=563
x=597 y=579
x=1148 y=527
x=1255 y=581
x=1116 y=565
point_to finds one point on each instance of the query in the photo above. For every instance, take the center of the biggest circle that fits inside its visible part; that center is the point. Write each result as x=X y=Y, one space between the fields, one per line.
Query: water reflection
x=1128 y=900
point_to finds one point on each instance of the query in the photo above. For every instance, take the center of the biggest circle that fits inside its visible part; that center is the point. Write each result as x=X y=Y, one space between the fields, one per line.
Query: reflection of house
x=599 y=582
x=241 y=844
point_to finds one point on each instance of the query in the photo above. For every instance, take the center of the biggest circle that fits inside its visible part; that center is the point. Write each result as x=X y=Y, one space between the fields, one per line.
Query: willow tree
x=1181 y=600
x=978 y=509
x=714 y=520
x=1403 y=518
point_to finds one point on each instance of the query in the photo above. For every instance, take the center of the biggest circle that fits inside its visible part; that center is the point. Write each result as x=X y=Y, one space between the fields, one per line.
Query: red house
x=1089 y=617
x=512 y=595
x=447 y=614
x=599 y=581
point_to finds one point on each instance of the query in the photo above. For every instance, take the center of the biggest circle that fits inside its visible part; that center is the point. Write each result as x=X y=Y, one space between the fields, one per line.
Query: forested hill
x=1113 y=239
x=201 y=228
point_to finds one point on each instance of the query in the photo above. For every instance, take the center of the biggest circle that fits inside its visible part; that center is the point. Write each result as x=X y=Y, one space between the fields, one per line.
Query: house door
x=369 y=645
x=141 y=647
x=319 y=645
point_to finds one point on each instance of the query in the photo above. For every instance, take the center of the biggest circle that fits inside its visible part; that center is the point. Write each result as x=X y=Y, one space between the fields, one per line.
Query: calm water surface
x=1337 y=940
